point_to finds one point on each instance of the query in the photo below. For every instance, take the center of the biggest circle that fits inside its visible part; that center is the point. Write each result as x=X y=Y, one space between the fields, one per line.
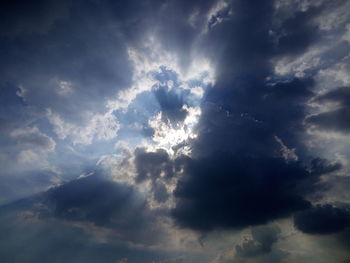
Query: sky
x=175 y=131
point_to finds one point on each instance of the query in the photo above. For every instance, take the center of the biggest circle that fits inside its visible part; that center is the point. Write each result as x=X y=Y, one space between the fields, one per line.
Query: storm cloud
x=322 y=219
x=230 y=191
x=163 y=131
x=240 y=177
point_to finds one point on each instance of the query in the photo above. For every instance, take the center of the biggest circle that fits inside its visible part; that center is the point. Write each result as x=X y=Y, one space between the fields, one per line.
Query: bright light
x=168 y=136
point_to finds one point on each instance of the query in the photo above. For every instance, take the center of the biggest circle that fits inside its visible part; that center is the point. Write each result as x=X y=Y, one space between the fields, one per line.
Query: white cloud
x=297 y=66
x=292 y=5
x=220 y=6
x=168 y=135
x=149 y=60
x=120 y=166
x=287 y=154
x=98 y=127
x=198 y=91
x=334 y=76
x=334 y=18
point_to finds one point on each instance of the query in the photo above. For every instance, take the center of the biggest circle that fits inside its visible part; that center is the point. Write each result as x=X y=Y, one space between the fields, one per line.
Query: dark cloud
x=338 y=186
x=175 y=31
x=73 y=57
x=341 y=95
x=152 y=165
x=24 y=18
x=13 y=109
x=179 y=259
x=337 y=120
x=297 y=33
x=334 y=120
x=321 y=166
x=235 y=191
x=102 y=202
x=156 y=167
x=237 y=176
x=343 y=238
x=86 y=220
x=171 y=104
x=15 y=186
x=263 y=238
x=27 y=239
x=247 y=117
x=71 y=64
x=242 y=51
x=171 y=99
x=322 y=219
x=248 y=106
x=160 y=192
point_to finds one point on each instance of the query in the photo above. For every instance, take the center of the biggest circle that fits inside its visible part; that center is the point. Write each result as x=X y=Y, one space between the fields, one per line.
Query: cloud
x=152 y=165
x=31 y=137
x=235 y=191
x=220 y=103
x=100 y=127
x=104 y=203
x=86 y=220
x=337 y=118
x=238 y=175
x=298 y=32
x=322 y=219
x=158 y=169
x=78 y=67
x=13 y=109
x=38 y=17
x=171 y=104
x=31 y=239
x=263 y=238
x=179 y=259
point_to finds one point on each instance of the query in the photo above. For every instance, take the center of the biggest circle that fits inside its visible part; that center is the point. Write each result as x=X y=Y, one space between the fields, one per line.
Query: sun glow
x=175 y=138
